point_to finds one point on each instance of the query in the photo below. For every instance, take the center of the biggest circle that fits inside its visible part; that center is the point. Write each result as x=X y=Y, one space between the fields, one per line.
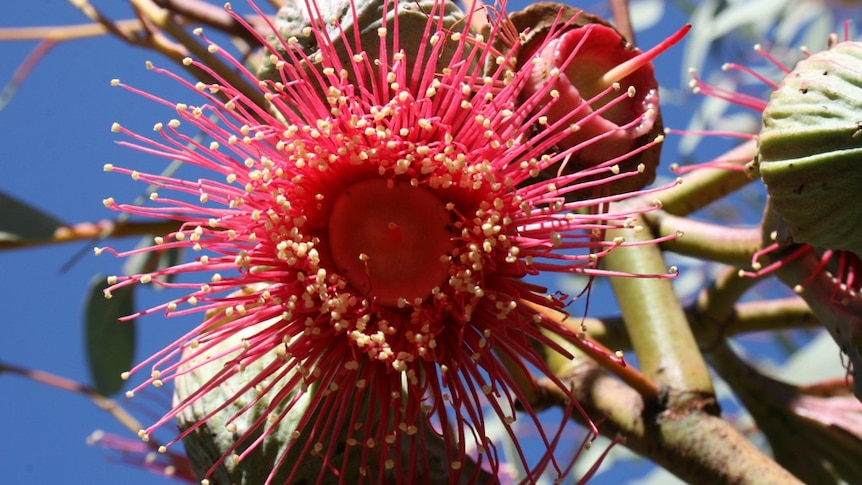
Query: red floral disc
x=390 y=240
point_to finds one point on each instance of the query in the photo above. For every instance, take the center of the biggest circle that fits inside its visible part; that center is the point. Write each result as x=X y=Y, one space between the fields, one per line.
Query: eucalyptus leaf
x=110 y=343
x=22 y=222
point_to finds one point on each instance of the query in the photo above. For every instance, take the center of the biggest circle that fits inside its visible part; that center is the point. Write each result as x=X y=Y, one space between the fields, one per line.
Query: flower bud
x=810 y=153
x=364 y=22
x=598 y=85
x=217 y=420
x=249 y=429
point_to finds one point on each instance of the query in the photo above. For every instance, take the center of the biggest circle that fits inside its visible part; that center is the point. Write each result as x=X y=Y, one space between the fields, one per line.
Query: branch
x=770 y=315
x=703 y=186
x=599 y=353
x=692 y=444
x=704 y=240
x=752 y=316
x=104 y=403
x=656 y=323
x=179 y=462
x=622 y=19
x=89 y=231
x=59 y=33
x=815 y=437
x=164 y=20
x=715 y=303
x=215 y=17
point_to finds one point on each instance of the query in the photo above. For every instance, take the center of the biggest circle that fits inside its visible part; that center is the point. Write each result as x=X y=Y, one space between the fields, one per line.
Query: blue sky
x=55 y=137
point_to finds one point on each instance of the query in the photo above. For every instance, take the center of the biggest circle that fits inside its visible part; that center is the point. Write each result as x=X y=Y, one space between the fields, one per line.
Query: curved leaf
x=20 y=221
x=110 y=342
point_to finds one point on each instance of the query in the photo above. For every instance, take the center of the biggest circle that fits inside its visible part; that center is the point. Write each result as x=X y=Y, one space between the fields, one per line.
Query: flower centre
x=390 y=240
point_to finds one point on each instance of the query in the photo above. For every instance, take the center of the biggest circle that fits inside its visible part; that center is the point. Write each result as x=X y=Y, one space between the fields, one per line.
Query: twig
x=23 y=71
x=607 y=358
x=164 y=20
x=657 y=325
x=104 y=403
x=59 y=33
x=95 y=15
x=97 y=230
x=693 y=444
x=703 y=186
x=622 y=19
x=781 y=314
x=704 y=240
x=214 y=16
x=128 y=421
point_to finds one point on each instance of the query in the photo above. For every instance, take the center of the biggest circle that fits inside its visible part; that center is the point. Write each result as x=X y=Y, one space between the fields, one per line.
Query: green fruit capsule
x=810 y=152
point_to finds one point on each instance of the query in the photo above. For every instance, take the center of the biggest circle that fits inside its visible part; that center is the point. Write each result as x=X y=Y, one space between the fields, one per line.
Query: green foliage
x=22 y=222
x=110 y=343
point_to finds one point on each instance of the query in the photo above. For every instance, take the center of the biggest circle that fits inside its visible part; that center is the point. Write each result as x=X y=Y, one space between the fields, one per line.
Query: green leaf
x=19 y=221
x=110 y=342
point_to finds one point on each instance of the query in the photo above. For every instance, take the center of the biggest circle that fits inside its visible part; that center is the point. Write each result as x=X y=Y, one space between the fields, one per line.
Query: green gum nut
x=297 y=25
x=223 y=424
x=215 y=435
x=810 y=152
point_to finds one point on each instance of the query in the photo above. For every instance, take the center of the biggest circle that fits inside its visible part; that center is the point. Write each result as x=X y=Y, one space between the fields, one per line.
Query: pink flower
x=139 y=454
x=363 y=242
